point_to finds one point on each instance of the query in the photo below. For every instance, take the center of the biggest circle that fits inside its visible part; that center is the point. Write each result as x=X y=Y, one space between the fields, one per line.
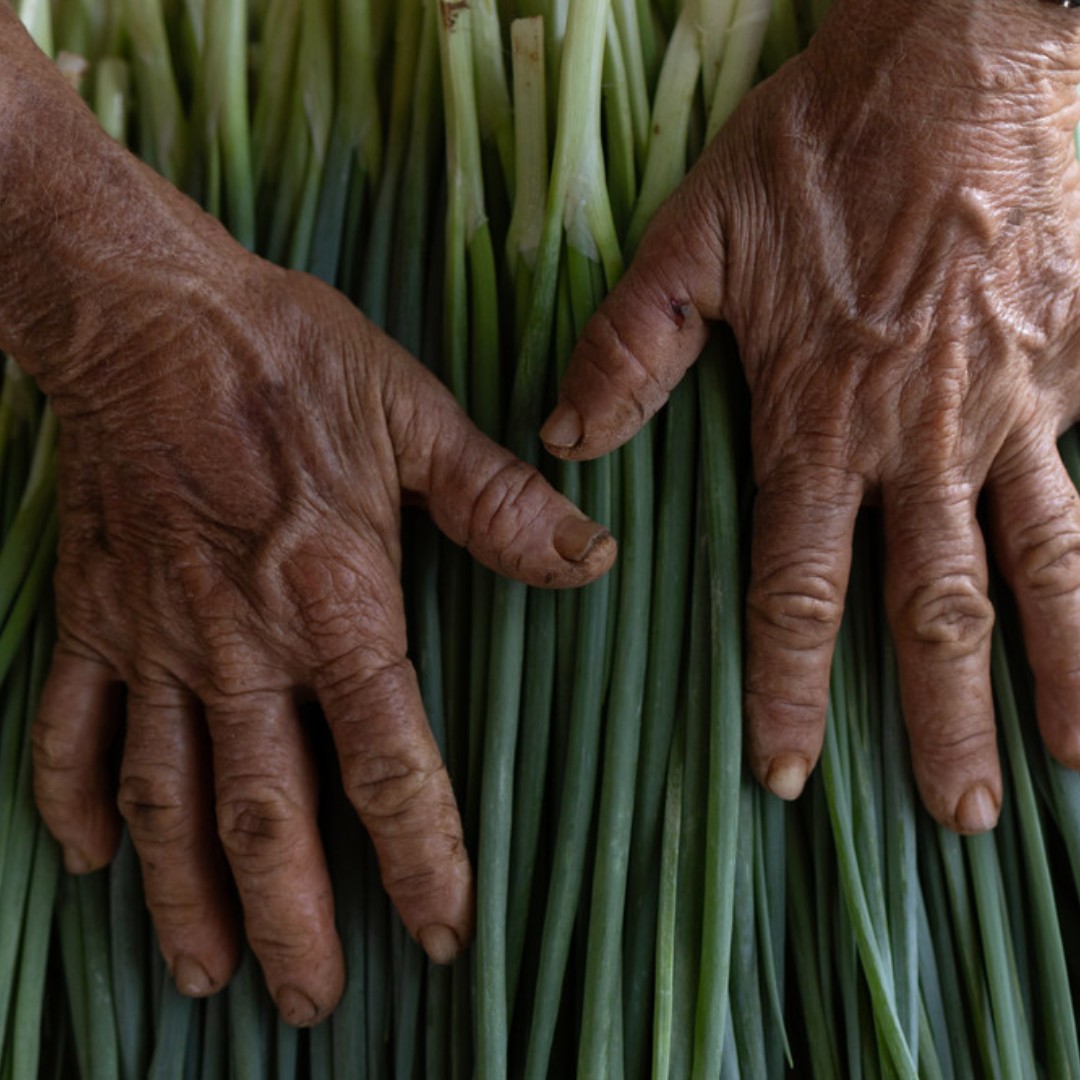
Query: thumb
x=649 y=329
x=483 y=497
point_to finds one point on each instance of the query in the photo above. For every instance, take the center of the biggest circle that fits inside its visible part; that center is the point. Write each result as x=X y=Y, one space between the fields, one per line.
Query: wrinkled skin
x=236 y=442
x=891 y=225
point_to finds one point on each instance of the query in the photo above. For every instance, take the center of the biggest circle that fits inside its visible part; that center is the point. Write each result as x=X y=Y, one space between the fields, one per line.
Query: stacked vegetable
x=643 y=906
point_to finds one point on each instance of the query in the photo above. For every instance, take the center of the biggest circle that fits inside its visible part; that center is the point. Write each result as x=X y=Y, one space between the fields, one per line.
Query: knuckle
x=333 y=595
x=153 y=805
x=797 y=607
x=951 y=614
x=961 y=738
x=281 y=949
x=612 y=361
x=412 y=884
x=51 y=747
x=172 y=909
x=1048 y=560
x=257 y=827
x=509 y=505
x=385 y=789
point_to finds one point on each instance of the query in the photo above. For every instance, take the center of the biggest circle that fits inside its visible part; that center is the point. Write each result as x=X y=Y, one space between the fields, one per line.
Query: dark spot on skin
x=451 y=10
x=1016 y=216
x=680 y=312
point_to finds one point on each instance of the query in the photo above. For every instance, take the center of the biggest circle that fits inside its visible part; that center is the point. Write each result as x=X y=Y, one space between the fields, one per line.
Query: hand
x=891 y=225
x=231 y=480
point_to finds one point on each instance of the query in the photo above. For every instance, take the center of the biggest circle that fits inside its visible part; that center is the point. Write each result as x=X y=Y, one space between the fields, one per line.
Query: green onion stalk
x=643 y=907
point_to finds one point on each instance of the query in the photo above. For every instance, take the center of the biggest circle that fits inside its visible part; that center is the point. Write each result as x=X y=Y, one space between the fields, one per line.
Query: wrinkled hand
x=230 y=495
x=891 y=225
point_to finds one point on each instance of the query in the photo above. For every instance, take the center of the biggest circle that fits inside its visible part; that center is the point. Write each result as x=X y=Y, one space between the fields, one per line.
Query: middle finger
x=936 y=597
x=267 y=806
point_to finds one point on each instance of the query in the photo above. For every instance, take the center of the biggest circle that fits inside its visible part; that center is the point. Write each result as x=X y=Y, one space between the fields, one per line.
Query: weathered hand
x=235 y=444
x=891 y=225
x=230 y=540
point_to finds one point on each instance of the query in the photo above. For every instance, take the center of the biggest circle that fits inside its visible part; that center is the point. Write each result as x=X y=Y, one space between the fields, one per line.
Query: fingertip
x=589 y=548
x=441 y=943
x=562 y=431
x=1064 y=747
x=977 y=810
x=79 y=862
x=191 y=978
x=297 y=1008
x=786 y=776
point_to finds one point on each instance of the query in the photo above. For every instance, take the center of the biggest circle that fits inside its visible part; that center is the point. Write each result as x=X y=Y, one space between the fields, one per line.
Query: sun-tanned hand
x=235 y=443
x=891 y=225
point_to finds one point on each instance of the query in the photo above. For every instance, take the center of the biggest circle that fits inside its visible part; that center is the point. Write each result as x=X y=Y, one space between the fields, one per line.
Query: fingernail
x=440 y=943
x=787 y=776
x=296 y=1007
x=977 y=810
x=576 y=536
x=191 y=977
x=563 y=428
x=75 y=862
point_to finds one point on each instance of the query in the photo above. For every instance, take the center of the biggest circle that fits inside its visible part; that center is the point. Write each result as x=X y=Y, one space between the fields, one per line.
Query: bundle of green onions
x=643 y=907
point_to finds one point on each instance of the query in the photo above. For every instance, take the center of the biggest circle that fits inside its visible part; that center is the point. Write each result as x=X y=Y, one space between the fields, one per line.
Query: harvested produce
x=475 y=176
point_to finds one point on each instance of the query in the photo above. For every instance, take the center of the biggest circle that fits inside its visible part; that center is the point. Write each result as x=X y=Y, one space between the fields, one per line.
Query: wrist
x=989 y=63
x=1011 y=40
x=94 y=246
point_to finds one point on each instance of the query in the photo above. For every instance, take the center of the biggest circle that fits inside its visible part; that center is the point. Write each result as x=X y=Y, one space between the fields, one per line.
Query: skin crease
x=236 y=443
x=891 y=226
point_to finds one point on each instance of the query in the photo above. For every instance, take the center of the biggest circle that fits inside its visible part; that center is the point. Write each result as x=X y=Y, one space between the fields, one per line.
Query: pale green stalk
x=225 y=101
x=740 y=61
x=667 y=640
x=713 y=18
x=354 y=154
x=315 y=66
x=494 y=115
x=1010 y=1023
x=465 y=200
x=629 y=33
x=577 y=201
x=276 y=81
x=578 y=792
x=36 y=939
x=813 y=988
x=414 y=39
x=163 y=127
x=530 y=143
x=770 y=895
x=357 y=99
x=747 y=977
x=104 y=1051
x=665 y=163
x=725 y=706
x=618 y=121
x=111 y=96
x=877 y=963
x=966 y=937
x=623 y=739
x=666 y=910
x=781 y=36
x=693 y=840
x=36 y=16
x=1059 y=1017
x=901 y=856
x=937 y=982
